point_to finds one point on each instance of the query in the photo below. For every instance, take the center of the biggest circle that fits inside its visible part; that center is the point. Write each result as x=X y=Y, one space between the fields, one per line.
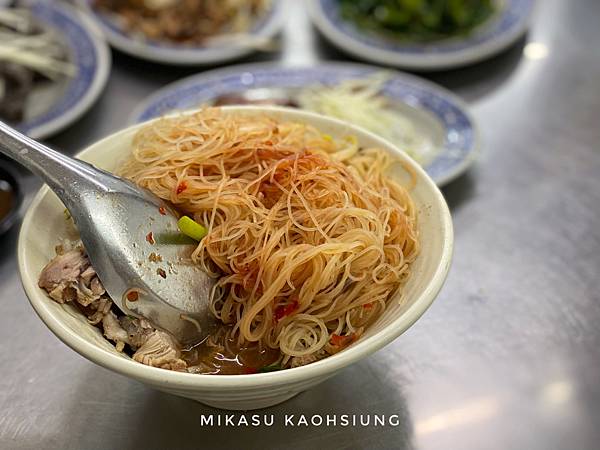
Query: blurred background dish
x=53 y=66
x=418 y=20
x=422 y=34
x=11 y=197
x=184 y=32
x=428 y=122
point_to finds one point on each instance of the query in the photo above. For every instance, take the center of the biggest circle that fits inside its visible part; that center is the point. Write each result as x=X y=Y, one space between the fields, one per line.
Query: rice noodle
x=306 y=234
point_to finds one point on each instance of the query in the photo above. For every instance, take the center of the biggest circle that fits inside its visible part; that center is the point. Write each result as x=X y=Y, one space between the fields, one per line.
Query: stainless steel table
x=508 y=357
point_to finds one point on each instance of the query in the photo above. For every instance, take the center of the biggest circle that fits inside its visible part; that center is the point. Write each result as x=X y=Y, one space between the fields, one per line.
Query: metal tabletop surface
x=508 y=357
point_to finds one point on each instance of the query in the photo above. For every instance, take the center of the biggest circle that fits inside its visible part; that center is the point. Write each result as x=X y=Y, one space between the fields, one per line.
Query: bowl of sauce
x=11 y=198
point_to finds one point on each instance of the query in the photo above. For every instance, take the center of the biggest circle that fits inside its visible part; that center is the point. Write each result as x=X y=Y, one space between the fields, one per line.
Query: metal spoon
x=131 y=238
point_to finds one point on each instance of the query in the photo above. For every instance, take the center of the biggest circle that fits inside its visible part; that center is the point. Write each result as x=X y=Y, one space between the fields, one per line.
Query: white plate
x=435 y=112
x=88 y=52
x=264 y=29
x=507 y=25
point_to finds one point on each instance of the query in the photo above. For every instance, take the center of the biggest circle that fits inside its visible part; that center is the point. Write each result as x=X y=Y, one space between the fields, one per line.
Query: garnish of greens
x=191 y=228
x=418 y=20
x=28 y=54
x=359 y=101
x=271 y=368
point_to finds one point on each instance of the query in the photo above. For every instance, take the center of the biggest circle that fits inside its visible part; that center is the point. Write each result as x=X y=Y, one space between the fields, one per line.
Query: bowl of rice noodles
x=325 y=241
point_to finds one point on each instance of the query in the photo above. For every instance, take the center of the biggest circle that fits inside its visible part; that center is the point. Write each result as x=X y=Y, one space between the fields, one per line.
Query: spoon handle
x=69 y=178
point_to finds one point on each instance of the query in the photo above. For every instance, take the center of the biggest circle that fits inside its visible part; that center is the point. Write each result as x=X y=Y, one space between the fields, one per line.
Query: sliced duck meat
x=62 y=271
x=161 y=350
x=113 y=331
x=69 y=277
x=138 y=330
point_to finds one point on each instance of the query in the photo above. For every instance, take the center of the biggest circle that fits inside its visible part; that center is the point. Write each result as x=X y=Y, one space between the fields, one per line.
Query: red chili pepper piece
x=342 y=341
x=181 y=187
x=132 y=296
x=265 y=153
x=162 y=211
x=150 y=238
x=285 y=310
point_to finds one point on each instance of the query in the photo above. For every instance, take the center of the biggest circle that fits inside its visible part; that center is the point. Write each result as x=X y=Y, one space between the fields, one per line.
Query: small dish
x=505 y=27
x=88 y=52
x=44 y=224
x=263 y=30
x=11 y=197
x=434 y=111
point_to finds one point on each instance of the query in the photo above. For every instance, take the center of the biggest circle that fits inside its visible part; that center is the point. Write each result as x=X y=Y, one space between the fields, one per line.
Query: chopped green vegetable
x=418 y=20
x=191 y=228
x=270 y=368
x=173 y=238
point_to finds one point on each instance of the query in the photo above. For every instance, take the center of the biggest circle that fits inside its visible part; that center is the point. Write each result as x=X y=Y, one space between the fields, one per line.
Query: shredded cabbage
x=359 y=101
x=38 y=50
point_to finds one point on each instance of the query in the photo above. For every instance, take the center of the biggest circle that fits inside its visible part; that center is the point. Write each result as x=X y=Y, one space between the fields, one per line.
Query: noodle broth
x=222 y=355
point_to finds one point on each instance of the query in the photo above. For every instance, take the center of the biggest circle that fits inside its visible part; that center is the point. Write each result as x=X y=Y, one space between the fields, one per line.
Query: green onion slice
x=191 y=228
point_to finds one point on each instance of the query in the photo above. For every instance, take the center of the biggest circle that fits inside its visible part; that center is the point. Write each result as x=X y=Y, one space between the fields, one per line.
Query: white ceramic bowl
x=45 y=223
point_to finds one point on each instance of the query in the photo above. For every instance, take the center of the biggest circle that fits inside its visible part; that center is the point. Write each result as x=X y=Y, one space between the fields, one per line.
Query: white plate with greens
x=427 y=35
x=428 y=122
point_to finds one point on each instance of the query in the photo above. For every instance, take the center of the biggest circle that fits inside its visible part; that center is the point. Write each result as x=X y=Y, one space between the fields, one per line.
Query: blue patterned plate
x=88 y=52
x=434 y=112
x=507 y=25
x=264 y=29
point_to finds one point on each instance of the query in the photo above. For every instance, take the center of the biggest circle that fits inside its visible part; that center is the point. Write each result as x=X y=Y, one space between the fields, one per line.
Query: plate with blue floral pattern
x=62 y=103
x=435 y=114
x=262 y=31
x=504 y=27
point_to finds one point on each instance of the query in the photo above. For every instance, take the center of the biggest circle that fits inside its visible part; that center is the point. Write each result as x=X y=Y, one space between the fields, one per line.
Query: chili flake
x=285 y=310
x=342 y=341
